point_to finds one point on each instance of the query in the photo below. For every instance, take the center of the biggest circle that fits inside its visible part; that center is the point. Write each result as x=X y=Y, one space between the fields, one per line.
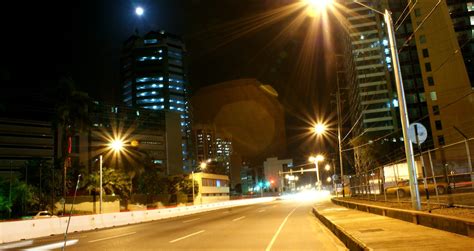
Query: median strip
x=112 y=237
x=187 y=236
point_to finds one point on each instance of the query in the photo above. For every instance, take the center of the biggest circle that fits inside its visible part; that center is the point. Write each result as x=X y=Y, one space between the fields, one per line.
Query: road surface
x=277 y=225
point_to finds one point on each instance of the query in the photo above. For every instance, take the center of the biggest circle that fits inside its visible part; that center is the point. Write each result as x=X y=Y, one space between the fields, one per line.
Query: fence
x=444 y=177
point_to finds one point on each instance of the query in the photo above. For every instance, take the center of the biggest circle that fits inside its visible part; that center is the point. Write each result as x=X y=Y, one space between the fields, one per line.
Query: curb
x=350 y=241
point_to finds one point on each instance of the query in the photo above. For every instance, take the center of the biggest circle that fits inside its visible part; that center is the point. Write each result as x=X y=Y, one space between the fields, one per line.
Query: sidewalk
x=366 y=231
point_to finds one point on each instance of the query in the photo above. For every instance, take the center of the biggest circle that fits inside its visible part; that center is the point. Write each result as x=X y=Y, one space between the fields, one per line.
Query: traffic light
x=267 y=184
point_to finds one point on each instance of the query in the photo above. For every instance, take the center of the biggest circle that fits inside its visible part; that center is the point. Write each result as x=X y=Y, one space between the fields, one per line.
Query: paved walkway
x=377 y=232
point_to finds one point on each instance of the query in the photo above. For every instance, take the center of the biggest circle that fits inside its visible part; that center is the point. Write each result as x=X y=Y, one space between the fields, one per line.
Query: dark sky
x=44 y=40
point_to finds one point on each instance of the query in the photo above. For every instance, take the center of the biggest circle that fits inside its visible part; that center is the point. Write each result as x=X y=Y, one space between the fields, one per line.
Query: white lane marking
x=238 y=218
x=189 y=235
x=186 y=221
x=269 y=247
x=53 y=245
x=226 y=212
x=261 y=210
x=16 y=244
x=112 y=237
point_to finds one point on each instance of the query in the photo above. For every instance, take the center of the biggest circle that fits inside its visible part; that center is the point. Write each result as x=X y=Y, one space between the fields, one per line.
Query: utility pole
x=412 y=174
x=339 y=122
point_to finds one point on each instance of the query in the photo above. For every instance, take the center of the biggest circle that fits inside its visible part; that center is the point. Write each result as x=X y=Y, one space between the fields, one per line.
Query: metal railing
x=444 y=175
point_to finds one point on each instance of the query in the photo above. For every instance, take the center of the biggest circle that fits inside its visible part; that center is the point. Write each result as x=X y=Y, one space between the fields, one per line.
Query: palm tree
x=72 y=116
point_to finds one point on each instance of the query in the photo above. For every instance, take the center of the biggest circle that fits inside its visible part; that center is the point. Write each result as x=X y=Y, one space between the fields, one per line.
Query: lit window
x=433 y=96
x=395 y=103
x=150 y=41
x=470 y=6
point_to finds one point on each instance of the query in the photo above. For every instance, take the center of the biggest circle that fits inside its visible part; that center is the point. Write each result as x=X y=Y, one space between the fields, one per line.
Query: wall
x=27 y=229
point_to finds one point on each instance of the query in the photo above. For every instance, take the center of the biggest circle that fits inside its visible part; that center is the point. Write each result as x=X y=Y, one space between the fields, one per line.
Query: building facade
x=153 y=76
x=149 y=137
x=462 y=16
x=211 y=188
x=433 y=66
x=272 y=168
x=211 y=145
x=23 y=140
x=371 y=93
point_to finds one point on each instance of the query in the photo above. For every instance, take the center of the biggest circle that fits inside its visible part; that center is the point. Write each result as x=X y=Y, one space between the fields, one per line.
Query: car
x=403 y=187
x=44 y=215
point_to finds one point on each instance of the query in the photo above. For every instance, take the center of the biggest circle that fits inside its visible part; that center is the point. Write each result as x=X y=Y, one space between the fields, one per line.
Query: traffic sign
x=422 y=133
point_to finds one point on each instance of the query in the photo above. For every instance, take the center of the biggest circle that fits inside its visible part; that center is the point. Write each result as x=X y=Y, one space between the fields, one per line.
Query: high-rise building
x=434 y=73
x=153 y=76
x=462 y=16
x=371 y=93
x=212 y=145
x=149 y=137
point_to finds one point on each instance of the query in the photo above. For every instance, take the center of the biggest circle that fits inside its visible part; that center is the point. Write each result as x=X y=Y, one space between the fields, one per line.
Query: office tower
x=153 y=76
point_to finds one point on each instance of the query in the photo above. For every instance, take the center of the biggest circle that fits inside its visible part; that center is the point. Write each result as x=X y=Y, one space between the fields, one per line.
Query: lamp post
x=100 y=183
x=315 y=160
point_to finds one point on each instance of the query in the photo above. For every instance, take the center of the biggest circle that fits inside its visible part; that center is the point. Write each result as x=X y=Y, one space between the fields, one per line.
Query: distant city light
x=139 y=11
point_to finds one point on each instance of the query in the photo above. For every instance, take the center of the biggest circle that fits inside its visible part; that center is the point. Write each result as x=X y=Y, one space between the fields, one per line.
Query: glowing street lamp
x=316 y=6
x=316 y=159
x=327 y=167
x=320 y=128
x=117 y=146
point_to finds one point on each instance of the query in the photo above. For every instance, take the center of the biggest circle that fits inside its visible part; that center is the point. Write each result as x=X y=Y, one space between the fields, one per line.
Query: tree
x=114 y=182
x=15 y=197
x=72 y=116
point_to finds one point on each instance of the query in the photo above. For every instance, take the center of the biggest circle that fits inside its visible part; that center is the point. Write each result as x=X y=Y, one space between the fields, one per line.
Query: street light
x=320 y=129
x=202 y=166
x=315 y=160
x=116 y=145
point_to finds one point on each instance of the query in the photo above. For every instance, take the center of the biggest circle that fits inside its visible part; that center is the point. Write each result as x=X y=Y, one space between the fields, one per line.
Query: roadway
x=277 y=225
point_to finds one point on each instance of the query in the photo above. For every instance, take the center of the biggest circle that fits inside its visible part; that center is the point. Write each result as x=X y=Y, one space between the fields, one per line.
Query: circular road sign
x=422 y=133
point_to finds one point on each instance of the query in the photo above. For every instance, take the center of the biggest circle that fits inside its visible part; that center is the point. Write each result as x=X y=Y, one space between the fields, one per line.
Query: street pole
x=100 y=185
x=317 y=175
x=415 y=196
x=192 y=175
x=338 y=101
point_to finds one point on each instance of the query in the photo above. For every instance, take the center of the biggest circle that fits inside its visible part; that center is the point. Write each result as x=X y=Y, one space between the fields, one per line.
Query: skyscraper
x=370 y=84
x=434 y=72
x=153 y=76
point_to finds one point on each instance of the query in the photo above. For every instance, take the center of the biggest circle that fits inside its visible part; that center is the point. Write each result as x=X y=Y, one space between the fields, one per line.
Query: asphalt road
x=278 y=225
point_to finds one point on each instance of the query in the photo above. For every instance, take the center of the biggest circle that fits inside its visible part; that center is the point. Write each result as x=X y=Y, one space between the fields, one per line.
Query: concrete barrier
x=447 y=223
x=28 y=229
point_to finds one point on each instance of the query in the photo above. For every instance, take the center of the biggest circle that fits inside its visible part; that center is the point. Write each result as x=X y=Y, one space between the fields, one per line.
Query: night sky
x=45 y=40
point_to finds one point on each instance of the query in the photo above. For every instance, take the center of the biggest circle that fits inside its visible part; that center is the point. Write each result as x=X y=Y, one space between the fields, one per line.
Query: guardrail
x=27 y=229
x=442 y=222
